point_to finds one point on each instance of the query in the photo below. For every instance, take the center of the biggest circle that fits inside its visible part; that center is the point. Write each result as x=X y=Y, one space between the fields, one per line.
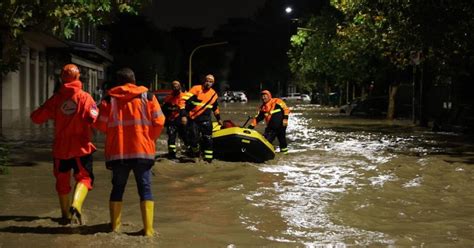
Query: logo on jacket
x=94 y=111
x=69 y=107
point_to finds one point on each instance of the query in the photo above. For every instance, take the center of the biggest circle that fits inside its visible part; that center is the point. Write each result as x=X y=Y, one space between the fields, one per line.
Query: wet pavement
x=345 y=182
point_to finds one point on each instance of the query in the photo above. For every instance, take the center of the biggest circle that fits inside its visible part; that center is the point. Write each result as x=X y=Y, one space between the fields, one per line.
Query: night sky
x=206 y=14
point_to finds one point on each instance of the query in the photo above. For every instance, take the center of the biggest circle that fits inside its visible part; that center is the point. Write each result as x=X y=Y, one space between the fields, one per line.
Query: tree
x=315 y=55
x=57 y=17
x=375 y=41
x=436 y=29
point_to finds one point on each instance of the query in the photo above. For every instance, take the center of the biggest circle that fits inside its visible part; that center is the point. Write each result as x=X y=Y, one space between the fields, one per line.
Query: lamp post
x=191 y=58
x=307 y=29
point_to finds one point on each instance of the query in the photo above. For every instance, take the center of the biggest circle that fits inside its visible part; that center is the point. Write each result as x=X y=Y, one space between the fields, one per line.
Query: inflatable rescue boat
x=240 y=144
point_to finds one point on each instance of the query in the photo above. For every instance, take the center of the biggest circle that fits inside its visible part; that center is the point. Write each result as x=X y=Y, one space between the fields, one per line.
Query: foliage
x=375 y=39
x=57 y=17
x=314 y=49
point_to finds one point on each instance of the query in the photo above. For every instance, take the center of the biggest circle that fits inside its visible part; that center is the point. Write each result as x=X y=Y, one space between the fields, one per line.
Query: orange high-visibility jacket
x=200 y=102
x=132 y=120
x=171 y=105
x=273 y=112
x=73 y=111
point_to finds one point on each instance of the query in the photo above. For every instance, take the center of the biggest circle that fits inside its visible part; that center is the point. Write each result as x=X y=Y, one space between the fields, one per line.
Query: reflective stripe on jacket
x=273 y=112
x=73 y=111
x=171 y=105
x=199 y=101
x=132 y=121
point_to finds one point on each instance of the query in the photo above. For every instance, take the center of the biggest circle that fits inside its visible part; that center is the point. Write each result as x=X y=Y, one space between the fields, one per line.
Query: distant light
x=288 y=10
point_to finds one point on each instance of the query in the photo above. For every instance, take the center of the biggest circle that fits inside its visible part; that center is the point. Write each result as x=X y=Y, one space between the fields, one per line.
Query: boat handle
x=247 y=131
x=248 y=119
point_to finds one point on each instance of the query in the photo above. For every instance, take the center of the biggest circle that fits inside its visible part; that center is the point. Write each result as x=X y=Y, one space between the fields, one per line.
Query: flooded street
x=345 y=182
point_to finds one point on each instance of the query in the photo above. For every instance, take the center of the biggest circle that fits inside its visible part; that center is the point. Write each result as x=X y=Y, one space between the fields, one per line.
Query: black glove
x=250 y=127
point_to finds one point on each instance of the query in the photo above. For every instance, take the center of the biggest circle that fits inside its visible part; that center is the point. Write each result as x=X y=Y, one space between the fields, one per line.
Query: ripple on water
x=304 y=196
x=324 y=166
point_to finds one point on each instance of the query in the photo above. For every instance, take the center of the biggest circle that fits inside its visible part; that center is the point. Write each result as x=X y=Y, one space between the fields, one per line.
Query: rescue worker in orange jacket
x=196 y=107
x=73 y=112
x=173 y=124
x=132 y=120
x=275 y=113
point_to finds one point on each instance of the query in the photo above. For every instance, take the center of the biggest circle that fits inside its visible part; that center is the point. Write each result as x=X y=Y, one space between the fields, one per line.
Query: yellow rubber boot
x=115 y=215
x=147 y=208
x=65 y=205
x=80 y=194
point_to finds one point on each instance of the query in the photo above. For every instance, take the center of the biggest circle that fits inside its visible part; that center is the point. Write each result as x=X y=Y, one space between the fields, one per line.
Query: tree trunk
x=1 y=87
x=326 y=93
x=1 y=105
x=423 y=100
x=353 y=91
x=340 y=96
x=347 y=92
x=392 y=93
x=363 y=93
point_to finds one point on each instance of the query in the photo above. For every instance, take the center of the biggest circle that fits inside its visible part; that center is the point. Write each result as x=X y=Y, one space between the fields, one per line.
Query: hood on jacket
x=127 y=91
x=266 y=92
x=68 y=89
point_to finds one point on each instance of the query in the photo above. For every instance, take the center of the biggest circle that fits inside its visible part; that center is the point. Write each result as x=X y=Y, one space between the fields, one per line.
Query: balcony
x=91 y=43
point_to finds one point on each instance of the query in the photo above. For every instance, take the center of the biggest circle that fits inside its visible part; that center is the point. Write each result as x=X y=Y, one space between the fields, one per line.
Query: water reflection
x=328 y=166
x=346 y=181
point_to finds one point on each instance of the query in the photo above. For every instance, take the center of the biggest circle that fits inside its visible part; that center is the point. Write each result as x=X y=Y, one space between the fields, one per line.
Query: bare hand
x=184 y=120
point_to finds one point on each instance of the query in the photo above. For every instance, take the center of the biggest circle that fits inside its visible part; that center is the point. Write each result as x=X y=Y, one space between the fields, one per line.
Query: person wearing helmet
x=132 y=120
x=275 y=113
x=73 y=112
x=196 y=106
x=173 y=124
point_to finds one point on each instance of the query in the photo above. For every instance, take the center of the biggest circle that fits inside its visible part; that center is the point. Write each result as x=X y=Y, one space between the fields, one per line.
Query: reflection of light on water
x=304 y=135
x=303 y=199
x=323 y=165
x=237 y=187
x=416 y=182
x=380 y=180
x=248 y=223
x=373 y=147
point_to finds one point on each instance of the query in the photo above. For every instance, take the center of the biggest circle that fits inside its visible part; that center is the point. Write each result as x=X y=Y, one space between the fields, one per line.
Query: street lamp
x=307 y=29
x=191 y=58
x=289 y=11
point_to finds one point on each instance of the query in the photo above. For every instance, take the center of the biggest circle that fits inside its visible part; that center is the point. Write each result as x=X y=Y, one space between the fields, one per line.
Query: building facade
x=38 y=74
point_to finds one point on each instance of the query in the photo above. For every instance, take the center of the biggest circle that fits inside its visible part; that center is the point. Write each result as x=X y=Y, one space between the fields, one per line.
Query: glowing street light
x=289 y=12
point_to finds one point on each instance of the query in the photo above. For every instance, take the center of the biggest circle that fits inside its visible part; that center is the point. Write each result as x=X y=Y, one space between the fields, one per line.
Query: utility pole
x=190 y=70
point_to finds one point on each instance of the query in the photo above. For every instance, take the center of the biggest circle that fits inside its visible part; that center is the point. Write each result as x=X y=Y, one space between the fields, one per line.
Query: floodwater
x=345 y=182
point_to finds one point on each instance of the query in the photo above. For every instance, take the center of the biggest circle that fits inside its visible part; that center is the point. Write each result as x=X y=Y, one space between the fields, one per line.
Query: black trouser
x=121 y=170
x=173 y=129
x=200 y=132
x=280 y=134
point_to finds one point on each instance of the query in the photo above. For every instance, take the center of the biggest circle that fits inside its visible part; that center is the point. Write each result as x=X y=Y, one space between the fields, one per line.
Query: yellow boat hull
x=241 y=144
